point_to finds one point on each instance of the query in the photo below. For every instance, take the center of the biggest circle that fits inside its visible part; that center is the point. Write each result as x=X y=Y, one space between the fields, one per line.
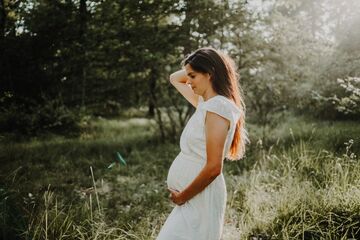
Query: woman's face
x=199 y=82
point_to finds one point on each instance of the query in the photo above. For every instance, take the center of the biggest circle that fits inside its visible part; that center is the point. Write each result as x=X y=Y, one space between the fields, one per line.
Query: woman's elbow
x=172 y=78
x=215 y=171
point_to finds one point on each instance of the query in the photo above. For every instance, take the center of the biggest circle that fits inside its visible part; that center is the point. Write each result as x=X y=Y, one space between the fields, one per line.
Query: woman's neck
x=209 y=94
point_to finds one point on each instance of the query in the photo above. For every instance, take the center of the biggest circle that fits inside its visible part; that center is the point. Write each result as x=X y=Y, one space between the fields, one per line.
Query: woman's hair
x=224 y=80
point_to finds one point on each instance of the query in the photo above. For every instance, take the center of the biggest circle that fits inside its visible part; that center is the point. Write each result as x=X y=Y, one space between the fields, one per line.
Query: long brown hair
x=224 y=80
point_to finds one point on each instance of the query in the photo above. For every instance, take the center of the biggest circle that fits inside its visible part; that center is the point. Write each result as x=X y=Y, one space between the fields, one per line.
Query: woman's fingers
x=174 y=196
x=171 y=193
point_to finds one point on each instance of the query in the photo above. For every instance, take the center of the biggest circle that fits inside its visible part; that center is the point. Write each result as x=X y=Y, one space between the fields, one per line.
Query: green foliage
x=55 y=116
x=106 y=57
x=12 y=220
x=33 y=119
x=344 y=103
x=288 y=58
x=351 y=103
x=297 y=182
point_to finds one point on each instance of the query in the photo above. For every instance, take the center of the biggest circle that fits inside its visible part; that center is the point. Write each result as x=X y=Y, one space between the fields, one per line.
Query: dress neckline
x=211 y=98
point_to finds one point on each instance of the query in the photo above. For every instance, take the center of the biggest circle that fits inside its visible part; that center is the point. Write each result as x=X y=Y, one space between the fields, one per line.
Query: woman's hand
x=176 y=197
x=216 y=128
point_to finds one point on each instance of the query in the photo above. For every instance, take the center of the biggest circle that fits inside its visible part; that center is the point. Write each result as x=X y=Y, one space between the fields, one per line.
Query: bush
x=349 y=104
x=341 y=101
x=29 y=118
x=55 y=117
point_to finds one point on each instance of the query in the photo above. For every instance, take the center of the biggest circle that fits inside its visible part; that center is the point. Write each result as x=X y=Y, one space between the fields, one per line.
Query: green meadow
x=299 y=180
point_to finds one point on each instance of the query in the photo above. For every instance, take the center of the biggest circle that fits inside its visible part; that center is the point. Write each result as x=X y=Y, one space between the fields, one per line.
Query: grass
x=299 y=182
x=301 y=194
x=286 y=130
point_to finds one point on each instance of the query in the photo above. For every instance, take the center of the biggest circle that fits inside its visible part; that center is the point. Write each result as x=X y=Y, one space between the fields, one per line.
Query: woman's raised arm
x=179 y=80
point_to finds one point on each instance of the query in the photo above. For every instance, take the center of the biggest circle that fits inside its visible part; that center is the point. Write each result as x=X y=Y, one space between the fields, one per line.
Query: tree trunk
x=187 y=26
x=188 y=48
x=152 y=94
x=154 y=74
x=2 y=34
x=2 y=19
x=82 y=37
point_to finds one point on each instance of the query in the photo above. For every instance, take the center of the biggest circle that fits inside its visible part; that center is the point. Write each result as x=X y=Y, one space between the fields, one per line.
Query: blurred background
x=81 y=80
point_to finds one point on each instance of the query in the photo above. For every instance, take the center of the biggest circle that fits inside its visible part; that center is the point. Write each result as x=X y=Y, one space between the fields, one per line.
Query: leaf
x=121 y=159
x=111 y=165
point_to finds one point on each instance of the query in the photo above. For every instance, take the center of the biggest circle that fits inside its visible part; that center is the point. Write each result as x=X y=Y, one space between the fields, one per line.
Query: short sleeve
x=223 y=107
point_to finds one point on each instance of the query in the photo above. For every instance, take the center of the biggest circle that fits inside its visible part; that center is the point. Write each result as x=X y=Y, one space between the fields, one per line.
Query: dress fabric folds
x=202 y=217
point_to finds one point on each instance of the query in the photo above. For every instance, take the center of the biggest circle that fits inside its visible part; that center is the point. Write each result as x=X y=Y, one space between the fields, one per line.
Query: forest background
x=85 y=82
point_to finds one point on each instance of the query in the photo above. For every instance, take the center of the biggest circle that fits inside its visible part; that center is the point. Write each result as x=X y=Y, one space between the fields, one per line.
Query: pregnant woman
x=215 y=131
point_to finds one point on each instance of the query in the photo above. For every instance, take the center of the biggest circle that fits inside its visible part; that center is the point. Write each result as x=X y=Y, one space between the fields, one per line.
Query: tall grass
x=85 y=220
x=300 y=193
x=300 y=182
x=64 y=204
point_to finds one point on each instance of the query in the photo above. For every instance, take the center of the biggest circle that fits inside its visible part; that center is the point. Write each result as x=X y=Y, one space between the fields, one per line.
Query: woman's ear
x=209 y=76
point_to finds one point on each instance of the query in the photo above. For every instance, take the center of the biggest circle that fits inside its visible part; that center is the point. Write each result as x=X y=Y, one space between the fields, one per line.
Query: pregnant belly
x=182 y=172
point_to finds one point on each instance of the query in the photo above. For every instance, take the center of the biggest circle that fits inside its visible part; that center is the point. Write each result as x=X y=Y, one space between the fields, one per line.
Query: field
x=299 y=180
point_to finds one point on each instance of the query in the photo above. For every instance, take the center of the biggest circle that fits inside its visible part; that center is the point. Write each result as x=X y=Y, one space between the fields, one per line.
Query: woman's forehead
x=189 y=69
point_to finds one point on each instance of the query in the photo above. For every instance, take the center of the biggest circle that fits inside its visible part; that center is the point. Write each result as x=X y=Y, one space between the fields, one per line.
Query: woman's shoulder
x=223 y=102
x=221 y=105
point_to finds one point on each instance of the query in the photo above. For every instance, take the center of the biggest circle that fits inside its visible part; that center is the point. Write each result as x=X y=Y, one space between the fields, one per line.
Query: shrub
x=349 y=104
x=336 y=101
x=30 y=118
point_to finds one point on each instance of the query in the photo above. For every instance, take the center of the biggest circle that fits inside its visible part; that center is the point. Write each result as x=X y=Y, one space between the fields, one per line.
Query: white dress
x=202 y=217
